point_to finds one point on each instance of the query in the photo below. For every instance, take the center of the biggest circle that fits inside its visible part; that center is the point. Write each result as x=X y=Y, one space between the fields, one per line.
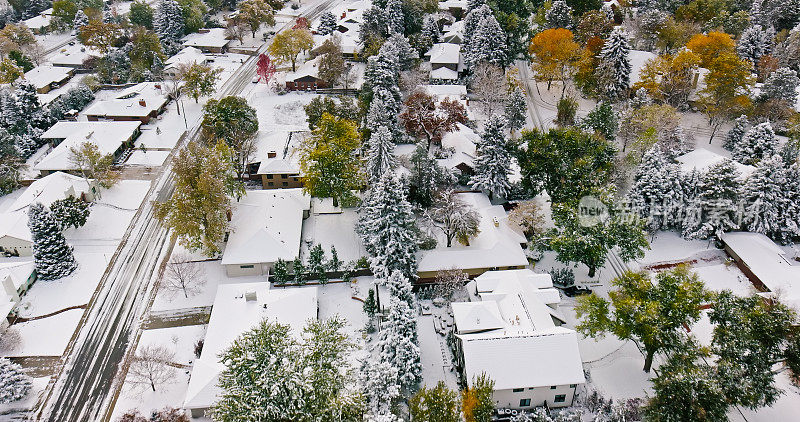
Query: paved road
x=81 y=391
x=530 y=96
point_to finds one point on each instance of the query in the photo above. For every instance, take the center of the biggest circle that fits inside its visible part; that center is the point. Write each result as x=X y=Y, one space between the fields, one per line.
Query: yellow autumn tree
x=288 y=44
x=670 y=78
x=725 y=96
x=555 y=55
x=710 y=46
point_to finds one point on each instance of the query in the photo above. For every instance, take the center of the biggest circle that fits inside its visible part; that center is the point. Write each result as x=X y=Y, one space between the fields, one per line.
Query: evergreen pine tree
x=753 y=43
x=656 y=190
x=28 y=105
x=615 y=65
x=399 y=287
x=559 y=15
x=430 y=32
x=316 y=263
x=488 y=43
x=602 y=120
x=765 y=198
x=406 y=55
x=493 y=161
x=168 y=21
x=280 y=272
x=791 y=212
x=14 y=384
x=70 y=212
x=516 y=110
x=380 y=156
x=395 y=21
x=718 y=201
x=379 y=384
x=781 y=85
x=51 y=254
x=398 y=344
x=735 y=135
x=334 y=264
x=327 y=23
x=758 y=143
x=471 y=23
x=80 y=20
x=383 y=111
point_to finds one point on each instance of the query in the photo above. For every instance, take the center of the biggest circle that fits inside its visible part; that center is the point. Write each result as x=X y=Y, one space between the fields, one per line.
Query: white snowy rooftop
x=41 y=20
x=454 y=92
x=43 y=76
x=237 y=309
x=267 y=225
x=143 y=90
x=540 y=285
x=48 y=189
x=444 y=53
x=494 y=246
x=187 y=56
x=638 y=59
x=278 y=143
x=308 y=68
x=73 y=55
x=108 y=136
x=768 y=262
x=14 y=224
x=444 y=73
x=702 y=159
x=211 y=38
x=511 y=334
x=137 y=106
x=19 y=271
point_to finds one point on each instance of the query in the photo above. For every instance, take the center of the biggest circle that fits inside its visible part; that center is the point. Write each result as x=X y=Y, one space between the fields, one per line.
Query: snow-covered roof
x=309 y=68
x=73 y=55
x=702 y=159
x=540 y=285
x=126 y=107
x=462 y=139
x=444 y=73
x=494 y=246
x=211 y=38
x=187 y=56
x=768 y=262
x=452 y=4
x=285 y=161
x=142 y=90
x=41 y=20
x=444 y=53
x=15 y=224
x=19 y=271
x=454 y=33
x=108 y=136
x=638 y=59
x=266 y=226
x=43 y=76
x=513 y=321
x=233 y=315
x=48 y=189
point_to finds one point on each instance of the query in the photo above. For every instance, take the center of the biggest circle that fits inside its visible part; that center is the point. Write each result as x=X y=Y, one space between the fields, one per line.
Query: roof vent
x=250 y=296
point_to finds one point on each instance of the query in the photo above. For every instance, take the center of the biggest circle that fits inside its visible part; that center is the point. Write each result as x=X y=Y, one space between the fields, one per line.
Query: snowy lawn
x=179 y=340
x=278 y=112
x=669 y=246
x=28 y=403
x=334 y=230
x=48 y=336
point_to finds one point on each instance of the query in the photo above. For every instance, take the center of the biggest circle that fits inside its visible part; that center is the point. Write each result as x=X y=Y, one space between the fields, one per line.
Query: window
x=270 y=184
x=283 y=176
x=524 y=402
x=247 y=266
x=573 y=385
x=560 y=398
x=285 y=184
x=517 y=390
x=269 y=176
x=552 y=387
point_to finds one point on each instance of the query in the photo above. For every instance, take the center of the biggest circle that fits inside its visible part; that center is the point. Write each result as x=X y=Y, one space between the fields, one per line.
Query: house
x=139 y=108
x=279 y=166
x=638 y=59
x=541 y=285
x=186 y=57
x=456 y=8
x=39 y=23
x=16 y=278
x=266 y=226
x=462 y=142
x=74 y=56
x=702 y=159
x=15 y=237
x=516 y=339
x=237 y=309
x=454 y=33
x=306 y=78
x=496 y=247
x=208 y=40
x=45 y=78
x=445 y=55
x=767 y=265
x=110 y=138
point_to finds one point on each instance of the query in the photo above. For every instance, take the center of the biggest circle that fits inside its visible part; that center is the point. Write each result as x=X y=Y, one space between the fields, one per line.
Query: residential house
x=186 y=57
x=208 y=40
x=518 y=341
x=237 y=309
x=279 y=165
x=456 y=8
x=496 y=247
x=445 y=61
x=306 y=78
x=16 y=278
x=46 y=77
x=462 y=142
x=702 y=159
x=266 y=225
x=15 y=238
x=110 y=138
x=39 y=23
x=141 y=108
x=74 y=56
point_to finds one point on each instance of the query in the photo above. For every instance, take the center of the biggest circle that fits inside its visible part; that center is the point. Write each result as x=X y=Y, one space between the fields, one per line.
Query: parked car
x=574 y=290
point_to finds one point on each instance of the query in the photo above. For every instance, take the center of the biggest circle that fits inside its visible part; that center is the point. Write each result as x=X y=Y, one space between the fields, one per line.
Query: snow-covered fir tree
x=52 y=255
x=35 y=7
x=168 y=20
x=388 y=229
x=379 y=384
x=399 y=287
x=383 y=70
x=406 y=55
x=753 y=43
x=29 y=106
x=471 y=22
x=735 y=135
x=327 y=23
x=395 y=21
x=657 y=194
x=474 y=4
x=559 y=15
x=615 y=64
x=430 y=31
x=766 y=199
x=791 y=212
x=691 y=211
x=718 y=201
x=383 y=111
x=641 y=98
x=758 y=143
x=14 y=384
x=80 y=20
x=781 y=85
x=380 y=157
x=516 y=109
x=493 y=159
x=398 y=344
x=488 y=43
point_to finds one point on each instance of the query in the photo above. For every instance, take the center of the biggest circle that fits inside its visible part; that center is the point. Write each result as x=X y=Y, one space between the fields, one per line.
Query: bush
x=567 y=108
x=563 y=277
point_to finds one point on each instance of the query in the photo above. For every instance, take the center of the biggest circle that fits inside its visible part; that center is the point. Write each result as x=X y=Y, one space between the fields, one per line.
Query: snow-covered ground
x=47 y=336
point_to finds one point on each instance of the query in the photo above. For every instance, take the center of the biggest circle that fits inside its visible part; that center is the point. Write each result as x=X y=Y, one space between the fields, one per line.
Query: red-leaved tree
x=423 y=117
x=301 y=23
x=265 y=68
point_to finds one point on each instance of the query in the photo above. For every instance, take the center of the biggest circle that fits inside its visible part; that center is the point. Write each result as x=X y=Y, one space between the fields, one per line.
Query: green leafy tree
x=270 y=375
x=197 y=210
x=437 y=404
x=256 y=13
x=289 y=43
x=199 y=79
x=63 y=13
x=141 y=14
x=193 y=12
x=92 y=164
x=650 y=313
x=567 y=163
x=328 y=162
x=9 y=71
x=477 y=402
x=21 y=60
x=342 y=107
x=233 y=120
x=145 y=49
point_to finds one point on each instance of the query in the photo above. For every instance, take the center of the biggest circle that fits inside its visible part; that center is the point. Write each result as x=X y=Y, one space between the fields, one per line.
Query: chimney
x=250 y=296
x=272 y=154
x=158 y=86
x=142 y=102
x=496 y=221
x=9 y=288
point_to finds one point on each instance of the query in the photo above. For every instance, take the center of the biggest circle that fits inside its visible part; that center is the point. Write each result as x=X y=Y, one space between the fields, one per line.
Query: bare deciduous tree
x=450 y=284
x=151 y=366
x=528 y=216
x=490 y=87
x=454 y=217
x=183 y=275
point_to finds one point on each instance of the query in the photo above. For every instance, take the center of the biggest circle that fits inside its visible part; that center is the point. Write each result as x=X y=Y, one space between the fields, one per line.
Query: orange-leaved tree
x=710 y=46
x=555 y=55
